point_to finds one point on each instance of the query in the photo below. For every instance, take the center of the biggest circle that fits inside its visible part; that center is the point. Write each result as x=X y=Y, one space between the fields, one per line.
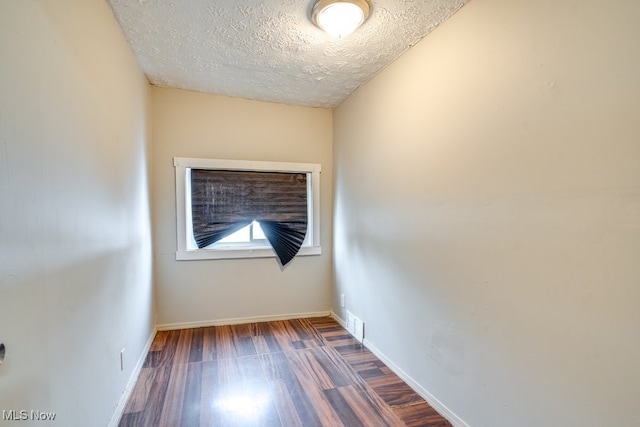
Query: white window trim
x=183 y=222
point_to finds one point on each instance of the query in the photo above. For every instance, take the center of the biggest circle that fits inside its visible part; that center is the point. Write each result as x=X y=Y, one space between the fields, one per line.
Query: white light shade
x=340 y=18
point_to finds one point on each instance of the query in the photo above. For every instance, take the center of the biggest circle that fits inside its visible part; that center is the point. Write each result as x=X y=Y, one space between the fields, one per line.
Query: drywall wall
x=75 y=248
x=191 y=124
x=487 y=212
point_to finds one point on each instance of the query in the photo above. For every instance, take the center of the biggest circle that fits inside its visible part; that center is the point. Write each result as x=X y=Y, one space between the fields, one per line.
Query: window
x=246 y=209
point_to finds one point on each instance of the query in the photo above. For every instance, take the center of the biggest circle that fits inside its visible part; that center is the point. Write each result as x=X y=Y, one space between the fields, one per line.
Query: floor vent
x=355 y=326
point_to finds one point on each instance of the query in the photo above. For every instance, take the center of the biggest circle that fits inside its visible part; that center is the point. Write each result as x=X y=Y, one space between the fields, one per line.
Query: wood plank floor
x=303 y=372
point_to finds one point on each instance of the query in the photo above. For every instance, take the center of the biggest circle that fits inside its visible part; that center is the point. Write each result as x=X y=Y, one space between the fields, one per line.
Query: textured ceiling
x=268 y=49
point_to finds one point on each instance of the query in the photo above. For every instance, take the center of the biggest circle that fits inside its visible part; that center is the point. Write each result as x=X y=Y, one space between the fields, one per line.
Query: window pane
x=222 y=200
x=258 y=234
x=241 y=236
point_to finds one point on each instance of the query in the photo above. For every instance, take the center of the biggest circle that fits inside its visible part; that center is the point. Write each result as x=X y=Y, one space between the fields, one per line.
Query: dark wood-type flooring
x=304 y=372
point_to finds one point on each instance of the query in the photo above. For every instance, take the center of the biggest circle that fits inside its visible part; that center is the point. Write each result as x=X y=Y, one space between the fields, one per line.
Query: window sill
x=203 y=254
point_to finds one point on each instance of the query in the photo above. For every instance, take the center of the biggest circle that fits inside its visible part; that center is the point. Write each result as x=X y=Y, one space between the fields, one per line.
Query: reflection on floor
x=303 y=372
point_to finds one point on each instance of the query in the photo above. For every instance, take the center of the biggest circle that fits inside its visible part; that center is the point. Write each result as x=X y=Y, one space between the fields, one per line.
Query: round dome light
x=339 y=17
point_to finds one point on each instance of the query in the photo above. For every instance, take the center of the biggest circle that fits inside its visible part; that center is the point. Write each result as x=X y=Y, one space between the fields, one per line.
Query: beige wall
x=190 y=124
x=487 y=212
x=75 y=247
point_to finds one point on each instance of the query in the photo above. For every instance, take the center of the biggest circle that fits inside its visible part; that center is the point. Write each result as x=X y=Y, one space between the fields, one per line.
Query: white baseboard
x=241 y=320
x=117 y=413
x=430 y=398
x=426 y=395
x=338 y=319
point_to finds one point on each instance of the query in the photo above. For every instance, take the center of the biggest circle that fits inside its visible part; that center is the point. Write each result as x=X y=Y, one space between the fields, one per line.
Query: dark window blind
x=223 y=202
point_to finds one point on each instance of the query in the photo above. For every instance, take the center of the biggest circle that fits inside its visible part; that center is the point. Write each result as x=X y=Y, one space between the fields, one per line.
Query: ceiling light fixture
x=339 y=17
